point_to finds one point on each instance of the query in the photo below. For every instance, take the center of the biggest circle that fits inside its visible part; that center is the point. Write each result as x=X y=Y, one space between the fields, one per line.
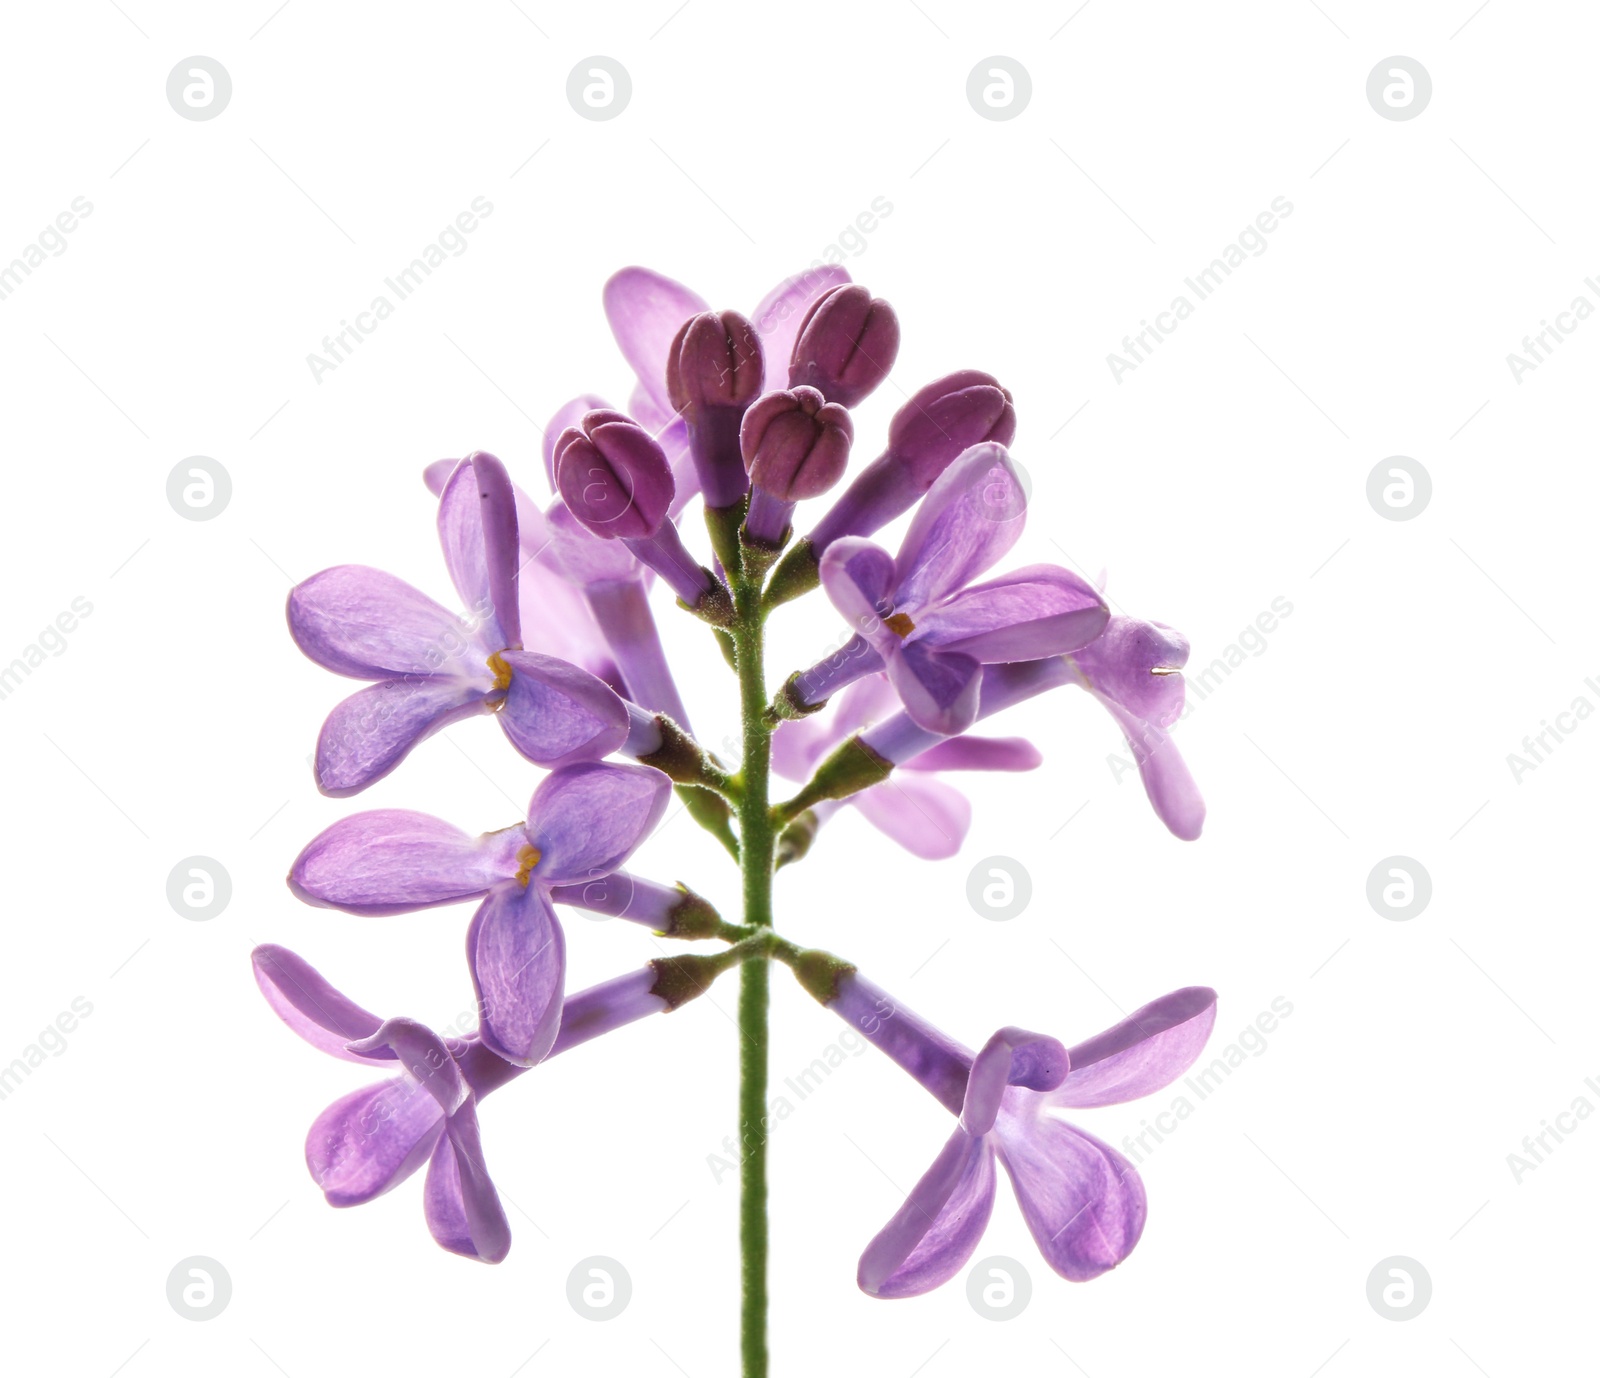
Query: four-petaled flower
x=432 y=667
x=1083 y=1201
x=924 y=619
x=584 y=822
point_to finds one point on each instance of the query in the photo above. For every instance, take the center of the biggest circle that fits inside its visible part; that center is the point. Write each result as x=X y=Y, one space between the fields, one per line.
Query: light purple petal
x=798 y=745
x=925 y=816
x=933 y=1234
x=645 y=310
x=859 y=579
x=556 y=619
x=518 y=957
x=1027 y=614
x=303 y=999
x=371 y=732
x=971 y=516
x=939 y=688
x=1149 y=1049
x=1083 y=1201
x=1172 y=790
x=587 y=819
x=478 y=530
x=582 y=556
x=361 y=622
x=391 y=861
x=556 y=714
x=778 y=315
x=978 y=753
x=371 y=1140
x=422 y=1053
x=463 y=1209
x=567 y=415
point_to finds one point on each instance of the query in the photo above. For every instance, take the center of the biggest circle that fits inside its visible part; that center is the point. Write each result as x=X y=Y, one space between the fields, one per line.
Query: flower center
x=502 y=671
x=527 y=858
x=900 y=624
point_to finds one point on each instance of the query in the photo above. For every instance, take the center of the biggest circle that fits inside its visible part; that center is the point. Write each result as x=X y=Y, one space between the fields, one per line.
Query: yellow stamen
x=900 y=624
x=527 y=859
x=502 y=671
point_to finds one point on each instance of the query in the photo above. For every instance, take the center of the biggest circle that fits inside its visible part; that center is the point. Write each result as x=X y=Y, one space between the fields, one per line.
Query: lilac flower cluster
x=558 y=641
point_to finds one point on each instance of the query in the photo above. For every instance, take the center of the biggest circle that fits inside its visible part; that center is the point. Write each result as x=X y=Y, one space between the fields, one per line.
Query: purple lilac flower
x=919 y=811
x=431 y=667
x=584 y=822
x=1083 y=1201
x=371 y=1140
x=919 y=616
x=1134 y=669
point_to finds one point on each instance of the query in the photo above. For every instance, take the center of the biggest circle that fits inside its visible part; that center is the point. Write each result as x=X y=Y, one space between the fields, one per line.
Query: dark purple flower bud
x=715 y=360
x=846 y=345
x=946 y=417
x=796 y=444
x=613 y=476
x=713 y=373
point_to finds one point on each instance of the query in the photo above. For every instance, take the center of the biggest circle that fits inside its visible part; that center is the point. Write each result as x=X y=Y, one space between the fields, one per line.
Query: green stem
x=757 y=842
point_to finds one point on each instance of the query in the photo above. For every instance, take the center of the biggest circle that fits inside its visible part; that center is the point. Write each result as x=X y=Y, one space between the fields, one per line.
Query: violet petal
x=971 y=516
x=518 y=956
x=371 y=1140
x=478 y=530
x=933 y=1234
x=586 y=820
x=460 y=1203
x=646 y=310
x=1083 y=1201
x=361 y=622
x=1151 y=1048
x=301 y=997
x=368 y=734
x=556 y=714
x=391 y=861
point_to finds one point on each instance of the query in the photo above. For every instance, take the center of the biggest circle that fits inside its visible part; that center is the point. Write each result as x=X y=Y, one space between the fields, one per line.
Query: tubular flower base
x=558 y=641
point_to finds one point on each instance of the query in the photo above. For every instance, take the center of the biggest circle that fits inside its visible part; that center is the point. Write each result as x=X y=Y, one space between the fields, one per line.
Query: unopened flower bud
x=946 y=417
x=613 y=476
x=846 y=345
x=715 y=360
x=713 y=373
x=796 y=444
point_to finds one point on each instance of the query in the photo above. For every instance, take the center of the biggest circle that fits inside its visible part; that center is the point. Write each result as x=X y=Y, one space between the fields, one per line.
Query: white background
x=1226 y=472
